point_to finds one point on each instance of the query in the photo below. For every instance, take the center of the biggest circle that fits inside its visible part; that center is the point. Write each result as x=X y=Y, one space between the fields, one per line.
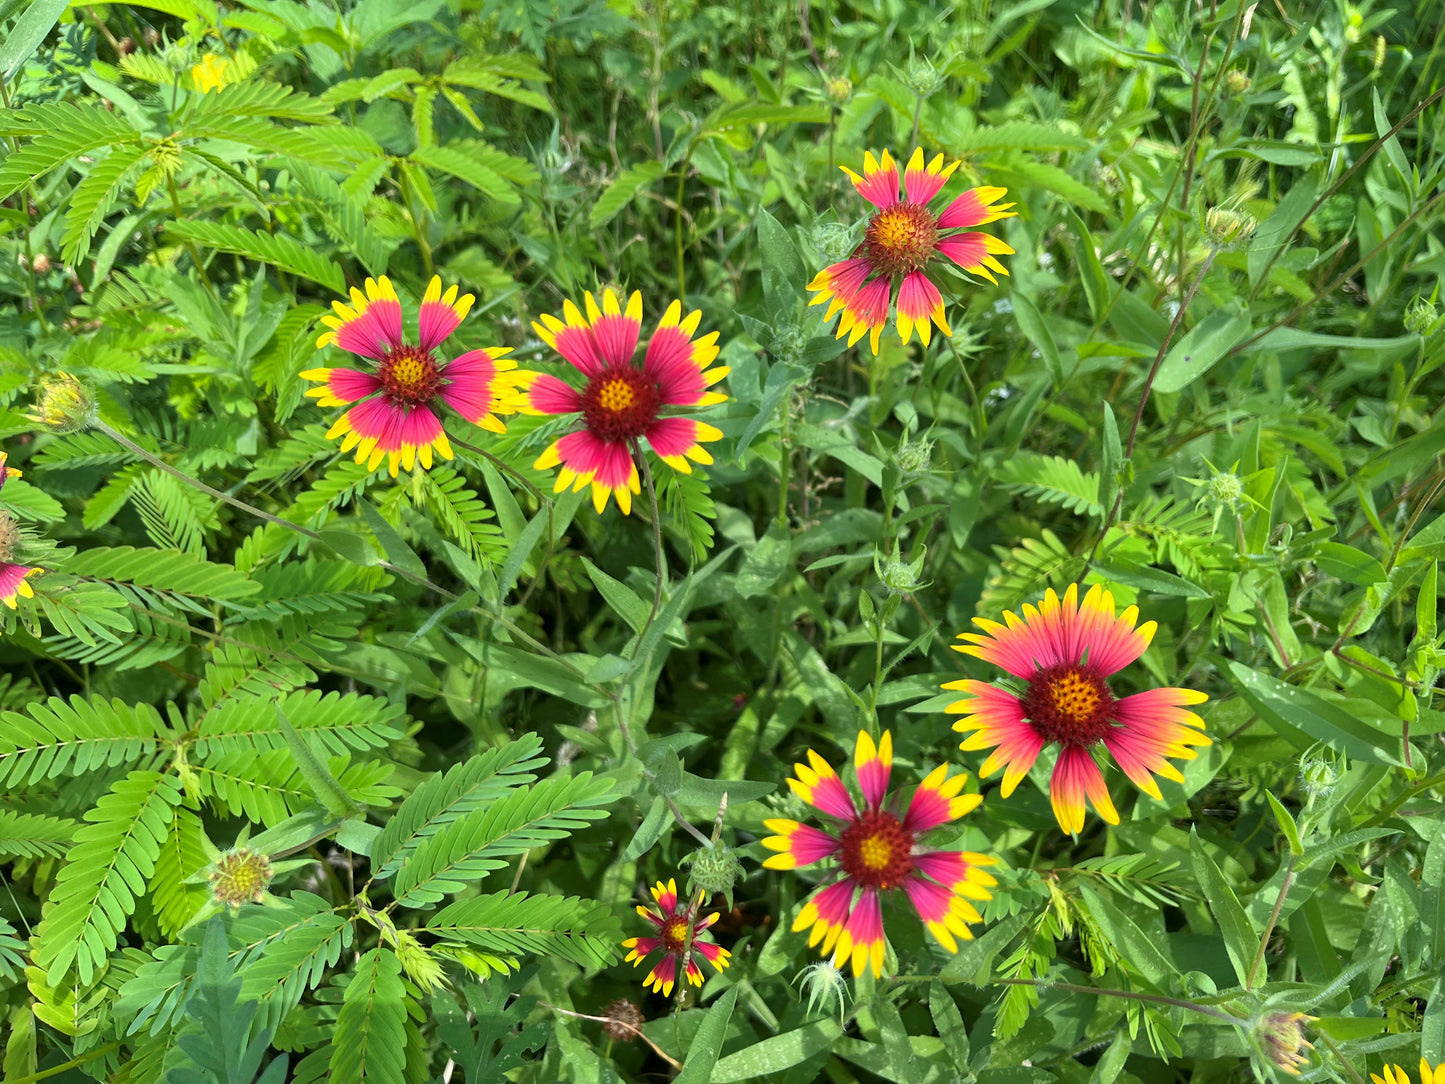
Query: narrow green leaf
x=1036 y=330
x=624 y=189
x=702 y=1055
x=1240 y=939
x=1286 y=824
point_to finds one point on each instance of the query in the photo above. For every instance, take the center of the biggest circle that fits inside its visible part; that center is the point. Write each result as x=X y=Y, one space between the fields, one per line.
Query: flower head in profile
x=394 y=403
x=6 y=471
x=903 y=240
x=64 y=405
x=878 y=850
x=13 y=576
x=1281 y=1035
x=1063 y=652
x=1396 y=1075
x=622 y=402
x=674 y=926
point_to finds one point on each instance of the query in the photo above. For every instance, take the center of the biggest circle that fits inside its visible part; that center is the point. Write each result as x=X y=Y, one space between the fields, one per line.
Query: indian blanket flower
x=1063 y=652
x=12 y=576
x=393 y=409
x=623 y=402
x=672 y=929
x=904 y=238
x=1396 y=1075
x=6 y=471
x=878 y=851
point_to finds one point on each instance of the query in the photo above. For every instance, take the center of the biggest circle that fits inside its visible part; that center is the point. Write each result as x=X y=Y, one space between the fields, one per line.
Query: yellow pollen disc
x=674 y=934
x=408 y=372
x=1074 y=696
x=875 y=853
x=616 y=396
x=894 y=230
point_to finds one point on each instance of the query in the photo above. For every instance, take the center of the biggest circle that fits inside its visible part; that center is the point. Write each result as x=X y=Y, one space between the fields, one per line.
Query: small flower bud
x=1321 y=769
x=1422 y=317
x=789 y=342
x=1236 y=82
x=922 y=77
x=825 y=986
x=419 y=964
x=1381 y=45
x=838 y=90
x=899 y=576
x=913 y=456
x=41 y=264
x=624 y=1019
x=240 y=876
x=1281 y=1035
x=64 y=405
x=1224 y=227
x=834 y=240
x=6 y=471
x=714 y=869
x=1225 y=489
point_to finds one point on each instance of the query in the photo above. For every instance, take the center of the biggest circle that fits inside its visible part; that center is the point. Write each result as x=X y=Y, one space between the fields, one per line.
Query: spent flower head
x=826 y=988
x=240 y=876
x=713 y=870
x=1281 y=1037
x=624 y=1020
x=64 y=405
x=1225 y=227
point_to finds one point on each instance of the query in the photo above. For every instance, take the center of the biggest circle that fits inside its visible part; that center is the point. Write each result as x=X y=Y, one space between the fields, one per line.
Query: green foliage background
x=446 y=711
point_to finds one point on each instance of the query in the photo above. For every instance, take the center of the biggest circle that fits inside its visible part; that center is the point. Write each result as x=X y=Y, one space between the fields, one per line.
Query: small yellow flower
x=210 y=73
x=64 y=405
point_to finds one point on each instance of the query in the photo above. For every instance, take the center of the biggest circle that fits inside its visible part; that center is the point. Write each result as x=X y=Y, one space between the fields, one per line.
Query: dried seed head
x=240 y=876
x=623 y=1020
x=9 y=536
x=714 y=869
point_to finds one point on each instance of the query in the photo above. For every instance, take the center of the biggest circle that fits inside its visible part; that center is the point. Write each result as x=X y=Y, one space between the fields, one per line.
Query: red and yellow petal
x=975 y=252
x=939 y=800
x=676 y=440
x=641 y=947
x=666 y=897
x=572 y=338
x=922 y=183
x=798 y=845
x=873 y=764
x=370 y=326
x=13 y=583
x=825 y=915
x=440 y=313
x=402 y=436
x=946 y=915
x=879 y=183
x=614 y=331
x=920 y=305
x=340 y=387
x=862 y=938
x=662 y=976
x=1076 y=777
x=818 y=785
x=976 y=207
x=7 y=471
x=866 y=313
x=959 y=871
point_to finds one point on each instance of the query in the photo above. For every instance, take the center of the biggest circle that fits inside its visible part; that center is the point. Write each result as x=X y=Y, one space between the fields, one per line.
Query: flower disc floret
x=878 y=850
x=1064 y=651
x=672 y=924
x=394 y=404
x=623 y=403
x=903 y=240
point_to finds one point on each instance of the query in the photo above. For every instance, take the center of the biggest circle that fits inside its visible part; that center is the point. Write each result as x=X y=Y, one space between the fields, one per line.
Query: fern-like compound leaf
x=113 y=858
x=77 y=736
x=1053 y=480
x=331 y=723
x=515 y=923
x=33 y=835
x=370 y=1042
x=443 y=799
x=182 y=854
x=478 y=843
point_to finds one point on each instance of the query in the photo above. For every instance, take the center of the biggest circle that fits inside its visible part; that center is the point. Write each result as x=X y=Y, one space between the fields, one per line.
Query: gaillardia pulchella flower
x=622 y=402
x=12 y=576
x=393 y=413
x=6 y=471
x=1063 y=652
x=672 y=933
x=904 y=237
x=878 y=851
x=1394 y=1074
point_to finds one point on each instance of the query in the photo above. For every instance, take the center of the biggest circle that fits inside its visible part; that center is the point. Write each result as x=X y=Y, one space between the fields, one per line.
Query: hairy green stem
x=1273 y=918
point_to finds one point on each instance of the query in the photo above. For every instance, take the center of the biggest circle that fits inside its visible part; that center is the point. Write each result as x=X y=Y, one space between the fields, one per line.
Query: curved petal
x=974 y=208
x=1076 y=776
x=548 y=395
x=716 y=955
x=839 y=282
x=641 y=947
x=946 y=915
x=671 y=363
x=818 y=785
x=975 y=252
x=572 y=339
x=666 y=897
x=958 y=871
x=370 y=326
x=614 y=331
x=676 y=440
x=995 y=717
x=340 y=386
x=1112 y=643
x=873 y=765
x=879 y=183
x=919 y=305
x=862 y=937
x=1044 y=637
x=938 y=800
x=13 y=583
x=825 y=914
x=1151 y=726
x=7 y=471
x=472 y=390
x=662 y=976
x=921 y=184
x=440 y=313
x=798 y=845
x=866 y=313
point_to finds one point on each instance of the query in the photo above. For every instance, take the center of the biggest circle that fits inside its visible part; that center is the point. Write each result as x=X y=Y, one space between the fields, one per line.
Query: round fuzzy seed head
x=64 y=405
x=838 y=90
x=240 y=876
x=1422 y=317
x=1225 y=489
x=623 y=1020
x=9 y=537
x=834 y=240
x=1236 y=82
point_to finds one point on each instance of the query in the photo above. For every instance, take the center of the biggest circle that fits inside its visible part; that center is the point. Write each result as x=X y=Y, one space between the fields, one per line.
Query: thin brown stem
x=618 y=1023
x=1273 y=918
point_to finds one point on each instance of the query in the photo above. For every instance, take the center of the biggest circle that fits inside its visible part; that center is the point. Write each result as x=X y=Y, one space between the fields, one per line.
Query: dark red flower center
x=900 y=238
x=674 y=934
x=409 y=375
x=1070 y=704
x=877 y=850
x=620 y=405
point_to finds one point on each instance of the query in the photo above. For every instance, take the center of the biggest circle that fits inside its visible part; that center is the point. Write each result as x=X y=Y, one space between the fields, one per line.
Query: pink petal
x=879 y=183
x=418 y=428
x=548 y=395
x=672 y=436
x=669 y=362
x=863 y=936
x=616 y=337
x=578 y=346
x=374 y=331
x=349 y=385
x=11 y=577
x=1076 y=776
x=918 y=298
x=582 y=452
x=932 y=901
x=873 y=765
x=371 y=419
x=435 y=321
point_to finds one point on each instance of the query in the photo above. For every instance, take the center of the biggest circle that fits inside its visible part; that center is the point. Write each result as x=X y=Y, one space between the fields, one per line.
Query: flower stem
x=659 y=556
x=1335 y=1050
x=614 y=1021
x=1273 y=918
